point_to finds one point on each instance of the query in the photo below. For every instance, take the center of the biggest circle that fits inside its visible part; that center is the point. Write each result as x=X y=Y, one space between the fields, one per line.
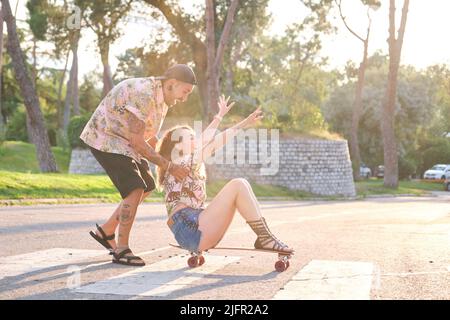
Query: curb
x=32 y=202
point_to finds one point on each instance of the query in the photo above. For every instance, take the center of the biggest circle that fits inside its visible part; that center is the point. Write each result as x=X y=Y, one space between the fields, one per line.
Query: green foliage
x=103 y=17
x=38 y=20
x=17 y=126
x=90 y=95
x=62 y=140
x=2 y=133
x=416 y=112
x=435 y=152
x=76 y=126
x=289 y=85
x=406 y=167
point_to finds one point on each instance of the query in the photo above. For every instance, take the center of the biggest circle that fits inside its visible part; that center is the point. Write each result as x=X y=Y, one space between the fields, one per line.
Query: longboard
x=197 y=259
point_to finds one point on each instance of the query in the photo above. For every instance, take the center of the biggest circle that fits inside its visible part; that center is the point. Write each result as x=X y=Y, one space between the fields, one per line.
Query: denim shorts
x=185 y=228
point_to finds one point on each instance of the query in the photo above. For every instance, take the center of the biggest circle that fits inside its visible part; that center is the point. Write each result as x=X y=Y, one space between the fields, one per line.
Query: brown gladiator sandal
x=265 y=237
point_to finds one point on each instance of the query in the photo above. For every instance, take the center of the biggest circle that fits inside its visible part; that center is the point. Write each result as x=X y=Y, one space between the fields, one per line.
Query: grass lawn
x=20 y=180
x=28 y=186
x=21 y=157
x=376 y=187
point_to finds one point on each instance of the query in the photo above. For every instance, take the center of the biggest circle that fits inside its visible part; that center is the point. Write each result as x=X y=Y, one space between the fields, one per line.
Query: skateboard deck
x=197 y=259
x=239 y=249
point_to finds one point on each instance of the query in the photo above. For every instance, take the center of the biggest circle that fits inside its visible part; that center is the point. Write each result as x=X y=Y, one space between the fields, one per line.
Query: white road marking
x=44 y=259
x=330 y=280
x=158 y=279
x=109 y=261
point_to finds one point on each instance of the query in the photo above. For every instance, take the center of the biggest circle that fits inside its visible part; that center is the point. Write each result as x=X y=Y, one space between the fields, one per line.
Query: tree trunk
x=357 y=111
x=107 y=76
x=45 y=156
x=34 y=62
x=229 y=76
x=212 y=94
x=215 y=57
x=2 y=120
x=235 y=56
x=69 y=96
x=60 y=88
x=75 y=92
x=388 y=114
x=200 y=70
x=198 y=48
x=30 y=132
x=34 y=77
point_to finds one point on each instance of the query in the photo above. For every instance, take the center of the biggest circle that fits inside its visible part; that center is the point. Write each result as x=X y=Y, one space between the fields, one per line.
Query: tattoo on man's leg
x=125 y=215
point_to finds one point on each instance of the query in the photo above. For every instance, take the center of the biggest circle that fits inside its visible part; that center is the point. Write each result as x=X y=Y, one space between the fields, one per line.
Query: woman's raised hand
x=253 y=118
x=224 y=107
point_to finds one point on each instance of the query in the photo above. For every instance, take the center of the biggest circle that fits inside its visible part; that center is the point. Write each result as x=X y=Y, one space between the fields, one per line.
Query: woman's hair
x=165 y=147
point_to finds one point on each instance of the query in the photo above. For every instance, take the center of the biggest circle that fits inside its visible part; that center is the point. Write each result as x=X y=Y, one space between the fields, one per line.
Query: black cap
x=180 y=72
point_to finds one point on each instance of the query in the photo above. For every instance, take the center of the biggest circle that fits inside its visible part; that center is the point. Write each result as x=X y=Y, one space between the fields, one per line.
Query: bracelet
x=218 y=117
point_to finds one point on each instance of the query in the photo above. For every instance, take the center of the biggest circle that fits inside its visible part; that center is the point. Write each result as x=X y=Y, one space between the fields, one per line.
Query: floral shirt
x=191 y=191
x=108 y=130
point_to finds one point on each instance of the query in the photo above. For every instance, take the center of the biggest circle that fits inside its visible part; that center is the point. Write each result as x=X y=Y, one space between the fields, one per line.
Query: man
x=122 y=136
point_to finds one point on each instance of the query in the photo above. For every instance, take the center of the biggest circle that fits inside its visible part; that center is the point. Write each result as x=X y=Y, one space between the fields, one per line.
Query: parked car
x=380 y=172
x=364 y=171
x=438 y=172
x=447 y=182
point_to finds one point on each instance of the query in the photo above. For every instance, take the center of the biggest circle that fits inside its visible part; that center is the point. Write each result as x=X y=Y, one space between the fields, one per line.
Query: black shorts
x=125 y=173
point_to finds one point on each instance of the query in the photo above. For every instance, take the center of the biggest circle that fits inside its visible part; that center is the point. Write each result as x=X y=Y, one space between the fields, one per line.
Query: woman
x=197 y=227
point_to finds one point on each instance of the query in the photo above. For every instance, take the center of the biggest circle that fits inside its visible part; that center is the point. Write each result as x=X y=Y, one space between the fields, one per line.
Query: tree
x=66 y=34
x=2 y=120
x=38 y=26
x=103 y=18
x=190 y=31
x=215 y=55
x=289 y=84
x=186 y=28
x=38 y=23
x=45 y=156
x=357 y=103
x=440 y=75
x=286 y=74
x=388 y=116
x=72 y=93
x=249 y=25
x=417 y=115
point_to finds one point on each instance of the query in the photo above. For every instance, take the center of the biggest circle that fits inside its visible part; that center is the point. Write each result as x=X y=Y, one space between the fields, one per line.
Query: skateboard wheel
x=193 y=262
x=280 y=266
x=201 y=260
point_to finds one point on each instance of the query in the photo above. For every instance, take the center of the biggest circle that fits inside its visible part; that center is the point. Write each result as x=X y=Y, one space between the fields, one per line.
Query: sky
x=424 y=42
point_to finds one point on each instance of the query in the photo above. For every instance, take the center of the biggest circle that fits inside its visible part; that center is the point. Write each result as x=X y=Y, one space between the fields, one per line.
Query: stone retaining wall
x=321 y=167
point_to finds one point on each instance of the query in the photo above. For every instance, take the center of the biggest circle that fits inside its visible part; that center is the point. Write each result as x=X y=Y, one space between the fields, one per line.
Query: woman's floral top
x=191 y=191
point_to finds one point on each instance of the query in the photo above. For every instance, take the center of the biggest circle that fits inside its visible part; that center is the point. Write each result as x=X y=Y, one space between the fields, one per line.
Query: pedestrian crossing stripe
x=44 y=259
x=158 y=279
x=330 y=280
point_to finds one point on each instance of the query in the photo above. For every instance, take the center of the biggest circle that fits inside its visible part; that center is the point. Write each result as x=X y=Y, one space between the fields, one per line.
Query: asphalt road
x=385 y=248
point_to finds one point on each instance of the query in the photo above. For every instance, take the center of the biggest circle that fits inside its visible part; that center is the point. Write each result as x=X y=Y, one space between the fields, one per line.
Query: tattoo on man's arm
x=136 y=125
x=137 y=128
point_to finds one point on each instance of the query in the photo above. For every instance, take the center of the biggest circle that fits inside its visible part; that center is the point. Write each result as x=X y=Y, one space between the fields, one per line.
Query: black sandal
x=104 y=239
x=119 y=258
